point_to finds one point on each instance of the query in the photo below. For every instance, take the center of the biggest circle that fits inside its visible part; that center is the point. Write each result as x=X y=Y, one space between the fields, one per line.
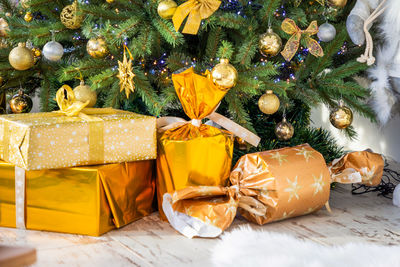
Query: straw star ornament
x=125 y=74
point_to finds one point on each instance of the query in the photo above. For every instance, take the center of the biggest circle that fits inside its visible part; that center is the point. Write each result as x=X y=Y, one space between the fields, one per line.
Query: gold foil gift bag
x=88 y=200
x=192 y=153
x=268 y=186
x=76 y=136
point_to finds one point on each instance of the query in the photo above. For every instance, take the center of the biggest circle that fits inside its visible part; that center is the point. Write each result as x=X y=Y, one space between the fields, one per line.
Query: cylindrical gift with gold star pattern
x=268 y=186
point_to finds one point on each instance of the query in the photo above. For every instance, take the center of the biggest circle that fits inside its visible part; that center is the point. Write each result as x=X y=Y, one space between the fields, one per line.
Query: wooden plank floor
x=151 y=242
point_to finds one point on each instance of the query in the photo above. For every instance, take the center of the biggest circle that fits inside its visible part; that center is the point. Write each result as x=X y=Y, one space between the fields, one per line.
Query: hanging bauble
x=341 y=117
x=110 y=1
x=28 y=16
x=36 y=54
x=3 y=27
x=327 y=32
x=270 y=43
x=269 y=103
x=1 y=80
x=284 y=130
x=224 y=74
x=83 y=93
x=25 y=3
x=166 y=8
x=337 y=3
x=70 y=16
x=21 y=103
x=21 y=58
x=53 y=51
x=242 y=145
x=97 y=47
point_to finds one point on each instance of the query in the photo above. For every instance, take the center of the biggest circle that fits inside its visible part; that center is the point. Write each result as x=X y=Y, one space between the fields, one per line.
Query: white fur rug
x=247 y=247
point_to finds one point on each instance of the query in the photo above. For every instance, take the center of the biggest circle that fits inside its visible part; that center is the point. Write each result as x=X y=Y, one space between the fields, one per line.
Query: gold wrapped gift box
x=192 y=153
x=82 y=200
x=53 y=140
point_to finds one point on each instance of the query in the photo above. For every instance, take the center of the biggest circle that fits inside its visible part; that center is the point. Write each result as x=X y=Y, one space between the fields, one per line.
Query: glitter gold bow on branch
x=195 y=10
x=292 y=45
x=126 y=74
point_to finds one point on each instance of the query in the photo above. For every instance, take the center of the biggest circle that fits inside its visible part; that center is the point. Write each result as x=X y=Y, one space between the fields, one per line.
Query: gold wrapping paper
x=82 y=200
x=358 y=167
x=266 y=186
x=193 y=153
x=53 y=140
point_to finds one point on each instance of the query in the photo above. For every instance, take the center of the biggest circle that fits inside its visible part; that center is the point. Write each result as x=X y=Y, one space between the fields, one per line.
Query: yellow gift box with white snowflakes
x=51 y=140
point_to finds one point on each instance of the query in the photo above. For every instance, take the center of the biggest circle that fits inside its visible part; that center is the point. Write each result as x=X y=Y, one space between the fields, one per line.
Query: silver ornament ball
x=327 y=32
x=53 y=51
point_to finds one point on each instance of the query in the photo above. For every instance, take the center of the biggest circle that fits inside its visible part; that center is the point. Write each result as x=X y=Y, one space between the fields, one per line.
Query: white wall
x=381 y=140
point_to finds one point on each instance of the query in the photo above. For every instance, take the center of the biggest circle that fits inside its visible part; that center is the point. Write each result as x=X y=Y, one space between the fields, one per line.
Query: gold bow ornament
x=292 y=45
x=195 y=10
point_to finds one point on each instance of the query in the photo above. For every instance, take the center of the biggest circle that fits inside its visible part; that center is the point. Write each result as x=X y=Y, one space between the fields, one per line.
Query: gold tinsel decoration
x=126 y=74
x=69 y=16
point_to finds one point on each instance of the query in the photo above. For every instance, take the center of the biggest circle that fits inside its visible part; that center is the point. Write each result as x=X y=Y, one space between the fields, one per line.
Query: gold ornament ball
x=341 y=117
x=224 y=74
x=337 y=3
x=36 y=54
x=3 y=27
x=21 y=103
x=83 y=93
x=21 y=58
x=284 y=130
x=70 y=18
x=269 y=103
x=110 y=1
x=1 y=80
x=28 y=16
x=270 y=44
x=166 y=9
x=97 y=47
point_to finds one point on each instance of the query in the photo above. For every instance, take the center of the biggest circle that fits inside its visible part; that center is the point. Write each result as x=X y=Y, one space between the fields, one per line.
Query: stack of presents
x=87 y=170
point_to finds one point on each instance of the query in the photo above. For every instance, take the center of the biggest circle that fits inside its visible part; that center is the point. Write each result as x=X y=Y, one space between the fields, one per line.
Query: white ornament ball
x=53 y=51
x=396 y=196
x=327 y=32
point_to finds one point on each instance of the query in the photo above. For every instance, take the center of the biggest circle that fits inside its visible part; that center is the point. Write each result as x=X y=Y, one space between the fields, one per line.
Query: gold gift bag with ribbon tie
x=88 y=200
x=76 y=136
x=268 y=186
x=192 y=153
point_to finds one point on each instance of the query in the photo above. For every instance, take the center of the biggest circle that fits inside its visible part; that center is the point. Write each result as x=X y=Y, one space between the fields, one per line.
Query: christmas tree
x=101 y=37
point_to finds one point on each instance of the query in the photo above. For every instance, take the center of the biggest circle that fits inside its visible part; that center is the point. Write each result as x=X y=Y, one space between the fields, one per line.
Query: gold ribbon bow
x=196 y=10
x=292 y=45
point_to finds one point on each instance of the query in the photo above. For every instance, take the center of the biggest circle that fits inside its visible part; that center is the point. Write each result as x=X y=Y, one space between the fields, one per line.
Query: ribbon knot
x=195 y=10
x=289 y=26
x=68 y=104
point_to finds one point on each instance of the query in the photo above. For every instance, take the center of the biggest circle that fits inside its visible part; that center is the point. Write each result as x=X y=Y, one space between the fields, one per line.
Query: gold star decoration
x=307 y=154
x=126 y=75
x=318 y=184
x=293 y=188
x=280 y=158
